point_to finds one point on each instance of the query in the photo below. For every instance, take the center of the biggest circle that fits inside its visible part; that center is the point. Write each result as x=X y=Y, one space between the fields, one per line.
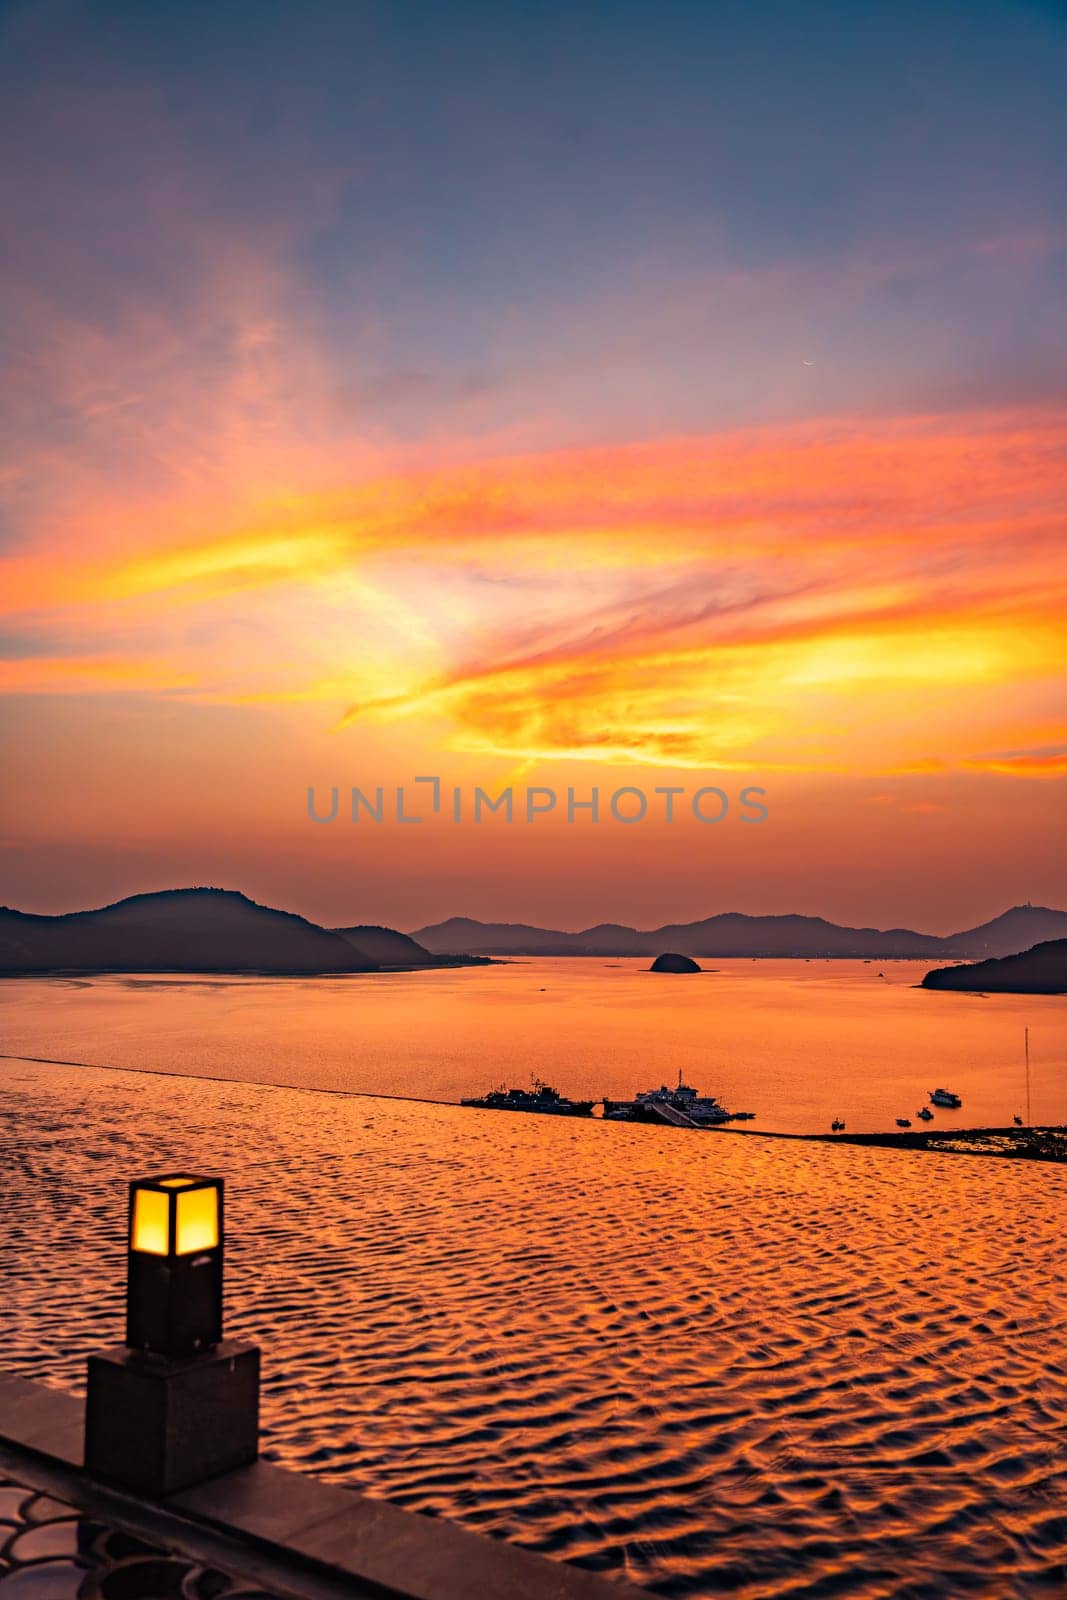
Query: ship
x=682 y=1105
x=945 y=1097
x=542 y=1098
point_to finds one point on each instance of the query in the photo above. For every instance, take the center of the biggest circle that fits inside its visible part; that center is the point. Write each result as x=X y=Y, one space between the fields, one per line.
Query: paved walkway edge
x=293 y=1535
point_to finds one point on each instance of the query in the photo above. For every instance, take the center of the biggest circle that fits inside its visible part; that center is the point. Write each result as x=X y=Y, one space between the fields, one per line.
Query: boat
x=903 y=1122
x=618 y=1111
x=926 y=1114
x=542 y=1098
x=837 y=1125
x=666 y=1104
x=683 y=1097
x=945 y=1097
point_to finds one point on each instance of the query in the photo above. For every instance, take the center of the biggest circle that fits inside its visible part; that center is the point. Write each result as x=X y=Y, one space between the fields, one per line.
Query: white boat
x=945 y=1097
x=701 y=1108
x=705 y=1110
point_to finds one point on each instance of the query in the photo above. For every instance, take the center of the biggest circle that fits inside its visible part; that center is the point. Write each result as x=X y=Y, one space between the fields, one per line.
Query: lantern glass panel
x=150 y=1228
x=198 y=1220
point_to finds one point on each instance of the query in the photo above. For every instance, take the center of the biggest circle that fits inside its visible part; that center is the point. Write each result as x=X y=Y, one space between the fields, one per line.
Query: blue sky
x=463 y=196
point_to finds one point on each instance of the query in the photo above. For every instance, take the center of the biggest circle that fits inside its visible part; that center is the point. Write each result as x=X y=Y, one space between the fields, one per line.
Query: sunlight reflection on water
x=796 y=1042
x=708 y=1363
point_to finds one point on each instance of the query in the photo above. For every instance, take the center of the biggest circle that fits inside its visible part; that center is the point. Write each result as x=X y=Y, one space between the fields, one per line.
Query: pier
x=664 y=1112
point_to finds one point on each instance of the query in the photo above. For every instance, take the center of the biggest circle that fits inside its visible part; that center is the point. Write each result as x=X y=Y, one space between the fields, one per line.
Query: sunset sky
x=569 y=395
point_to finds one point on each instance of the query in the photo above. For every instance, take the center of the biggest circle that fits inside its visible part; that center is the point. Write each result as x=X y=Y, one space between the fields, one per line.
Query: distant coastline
x=221 y=931
x=734 y=934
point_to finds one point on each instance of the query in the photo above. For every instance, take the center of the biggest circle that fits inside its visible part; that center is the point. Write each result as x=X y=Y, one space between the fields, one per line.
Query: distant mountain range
x=200 y=930
x=1042 y=970
x=731 y=933
x=219 y=930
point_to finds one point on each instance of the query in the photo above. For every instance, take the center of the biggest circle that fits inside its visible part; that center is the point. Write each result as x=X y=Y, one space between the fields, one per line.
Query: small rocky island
x=1042 y=970
x=670 y=961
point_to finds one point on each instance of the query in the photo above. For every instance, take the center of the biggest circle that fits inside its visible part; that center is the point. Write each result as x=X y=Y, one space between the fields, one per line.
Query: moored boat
x=945 y=1097
x=683 y=1102
x=542 y=1098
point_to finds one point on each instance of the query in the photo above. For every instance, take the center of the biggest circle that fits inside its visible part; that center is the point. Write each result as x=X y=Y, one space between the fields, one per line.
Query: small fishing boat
x=837 y=1125
x=945 y=1097
x=903 y=1122
x=926 y=1114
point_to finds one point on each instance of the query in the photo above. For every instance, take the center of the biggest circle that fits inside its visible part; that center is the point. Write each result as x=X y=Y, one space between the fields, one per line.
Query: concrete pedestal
x=157 y=1426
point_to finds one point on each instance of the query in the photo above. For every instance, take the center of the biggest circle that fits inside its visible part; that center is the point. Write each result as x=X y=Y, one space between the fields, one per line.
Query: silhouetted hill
x=1042 y=970
x=613 y=938
x=729 y=934
x=177 y=930
x=386 y=946
x=1018 y=929
x=732 y=933
x=391 y=949
x=495 y=938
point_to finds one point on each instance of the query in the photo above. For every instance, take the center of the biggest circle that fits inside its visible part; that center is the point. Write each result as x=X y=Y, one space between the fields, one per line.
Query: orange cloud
x=1047 y=762
x=908 y=488
x=849 y=595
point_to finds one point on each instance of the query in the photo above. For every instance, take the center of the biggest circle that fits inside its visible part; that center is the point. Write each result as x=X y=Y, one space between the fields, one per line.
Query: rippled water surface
x=718 y=1365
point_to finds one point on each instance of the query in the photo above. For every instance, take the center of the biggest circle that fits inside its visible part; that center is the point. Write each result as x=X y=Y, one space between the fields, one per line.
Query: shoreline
x=1013 y=1144
x=446 y=964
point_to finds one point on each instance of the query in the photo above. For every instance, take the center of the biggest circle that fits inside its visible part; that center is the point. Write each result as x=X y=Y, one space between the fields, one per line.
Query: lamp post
x=178 y=1403
x=174 y=1269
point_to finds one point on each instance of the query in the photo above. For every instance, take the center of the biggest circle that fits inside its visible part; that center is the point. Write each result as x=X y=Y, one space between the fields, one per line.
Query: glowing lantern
x=174 y=1283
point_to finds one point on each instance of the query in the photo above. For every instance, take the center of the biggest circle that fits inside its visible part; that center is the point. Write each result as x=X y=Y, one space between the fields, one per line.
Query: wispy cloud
x=1044 y=761
x=701 y=601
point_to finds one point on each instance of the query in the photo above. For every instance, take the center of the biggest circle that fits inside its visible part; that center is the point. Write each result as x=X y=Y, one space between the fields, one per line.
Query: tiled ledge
x=286 y=1533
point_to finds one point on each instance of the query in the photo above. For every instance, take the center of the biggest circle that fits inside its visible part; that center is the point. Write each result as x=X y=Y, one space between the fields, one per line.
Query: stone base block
x=157 y=1426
